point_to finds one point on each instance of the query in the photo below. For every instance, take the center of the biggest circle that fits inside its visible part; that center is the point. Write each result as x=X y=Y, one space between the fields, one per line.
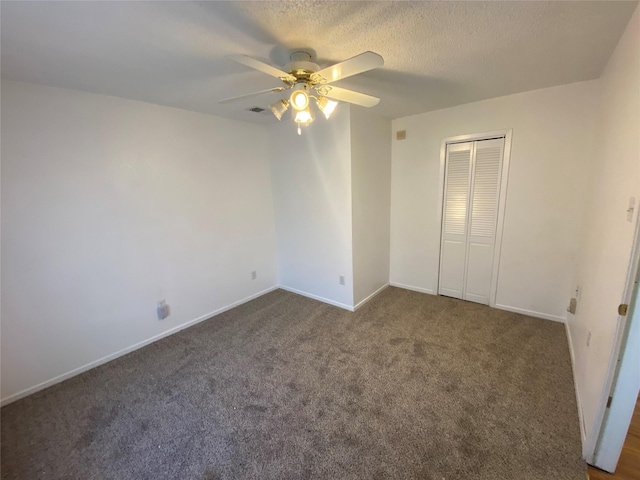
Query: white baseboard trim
x=76 y=371
x=362 y=302
x=411 y=287
x=583 y=434
x=531 y=313
x=317 y=297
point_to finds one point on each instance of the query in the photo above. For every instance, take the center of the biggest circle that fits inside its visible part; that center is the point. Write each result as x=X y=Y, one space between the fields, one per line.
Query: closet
x=470 y=216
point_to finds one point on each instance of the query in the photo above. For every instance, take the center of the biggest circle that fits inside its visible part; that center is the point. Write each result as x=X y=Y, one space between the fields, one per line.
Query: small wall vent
x=256 y=109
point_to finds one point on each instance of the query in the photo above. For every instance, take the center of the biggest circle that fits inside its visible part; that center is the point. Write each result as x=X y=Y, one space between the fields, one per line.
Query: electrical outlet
x=589 y=338
x=254 y=275
x=163 y=310
x=341 y=279
x=573 y=304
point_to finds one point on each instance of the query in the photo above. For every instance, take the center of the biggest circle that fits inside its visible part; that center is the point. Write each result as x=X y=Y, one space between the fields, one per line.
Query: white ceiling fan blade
x=254 y=94
x=360 y=63
x=349 y=96
x=263 y=67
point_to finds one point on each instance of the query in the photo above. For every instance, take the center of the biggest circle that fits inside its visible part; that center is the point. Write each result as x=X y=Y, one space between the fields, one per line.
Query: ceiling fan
x=308 y=81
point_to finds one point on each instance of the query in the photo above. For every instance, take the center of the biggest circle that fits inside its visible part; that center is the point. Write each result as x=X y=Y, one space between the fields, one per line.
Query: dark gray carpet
x=411 y=386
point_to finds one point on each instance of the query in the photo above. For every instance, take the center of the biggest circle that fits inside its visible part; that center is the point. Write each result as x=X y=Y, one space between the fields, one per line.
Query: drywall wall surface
x=552 y=129
x=311 y=176
x=109 y=205
x=371 y=200
x=607 y=240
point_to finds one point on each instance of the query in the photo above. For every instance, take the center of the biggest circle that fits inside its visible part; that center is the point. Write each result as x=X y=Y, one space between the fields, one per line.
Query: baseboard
x=361 y=303
x=411 y=287
x=317 y=297
x=531 y=313
x=583 y=434
x=76 y=371
x=508 y=308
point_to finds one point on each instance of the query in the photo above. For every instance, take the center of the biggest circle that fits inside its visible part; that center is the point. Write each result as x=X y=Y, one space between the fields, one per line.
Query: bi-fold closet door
x=470 y=213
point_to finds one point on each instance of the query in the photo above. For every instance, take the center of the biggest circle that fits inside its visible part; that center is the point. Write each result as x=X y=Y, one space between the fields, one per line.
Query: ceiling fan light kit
x=305 y=77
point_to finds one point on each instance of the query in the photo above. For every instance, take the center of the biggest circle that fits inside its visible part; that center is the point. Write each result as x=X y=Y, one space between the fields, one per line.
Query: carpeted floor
x=411 y=386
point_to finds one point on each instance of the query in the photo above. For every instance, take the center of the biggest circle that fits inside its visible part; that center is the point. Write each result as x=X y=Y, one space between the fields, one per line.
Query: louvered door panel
x=455 y=221
x=485 y=188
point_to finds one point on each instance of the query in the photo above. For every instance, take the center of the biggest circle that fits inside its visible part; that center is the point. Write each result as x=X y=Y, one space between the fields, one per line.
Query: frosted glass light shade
x=299 y=100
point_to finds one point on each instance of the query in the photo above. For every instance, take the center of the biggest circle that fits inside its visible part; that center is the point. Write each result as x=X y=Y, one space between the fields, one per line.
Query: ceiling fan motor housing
x=301 y=66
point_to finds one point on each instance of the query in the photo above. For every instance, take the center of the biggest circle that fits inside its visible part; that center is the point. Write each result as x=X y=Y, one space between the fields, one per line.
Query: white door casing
x=604 y=444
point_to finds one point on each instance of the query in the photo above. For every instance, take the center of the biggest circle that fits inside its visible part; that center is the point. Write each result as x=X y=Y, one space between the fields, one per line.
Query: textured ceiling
x=437 y=54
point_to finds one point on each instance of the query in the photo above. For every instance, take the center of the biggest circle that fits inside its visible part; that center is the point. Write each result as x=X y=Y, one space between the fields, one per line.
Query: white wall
x=551 y=147
x=371 y=192
x=608 y=236
x=109 y=205
x=311 y=176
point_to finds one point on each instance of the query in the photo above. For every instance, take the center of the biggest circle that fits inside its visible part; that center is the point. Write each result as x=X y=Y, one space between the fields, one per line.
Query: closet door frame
x=504 y=181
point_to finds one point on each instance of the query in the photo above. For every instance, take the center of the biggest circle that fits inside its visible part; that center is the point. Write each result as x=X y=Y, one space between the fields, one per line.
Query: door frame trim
x=504 y=182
